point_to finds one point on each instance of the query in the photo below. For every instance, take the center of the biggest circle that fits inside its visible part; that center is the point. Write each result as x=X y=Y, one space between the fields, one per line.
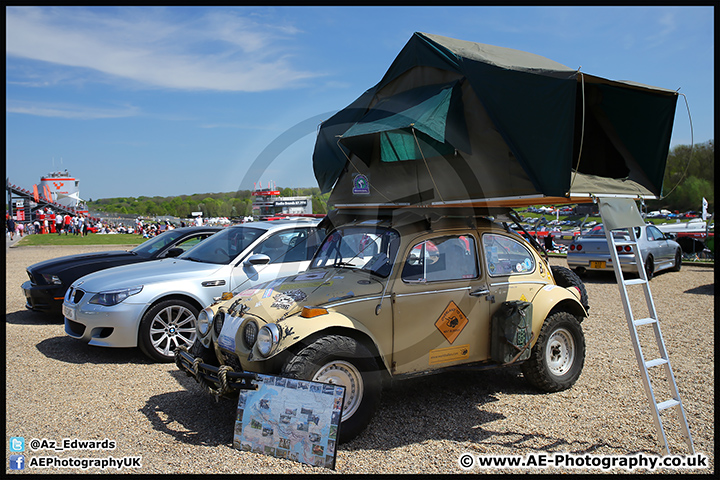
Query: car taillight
x=572 y=247
x=625 y=249
x=578 y=247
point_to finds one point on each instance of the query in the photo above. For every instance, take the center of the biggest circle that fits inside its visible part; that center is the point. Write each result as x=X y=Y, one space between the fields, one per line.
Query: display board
x=294 y=419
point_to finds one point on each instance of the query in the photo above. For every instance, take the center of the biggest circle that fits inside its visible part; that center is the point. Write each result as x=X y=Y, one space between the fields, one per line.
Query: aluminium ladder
x=622 y=214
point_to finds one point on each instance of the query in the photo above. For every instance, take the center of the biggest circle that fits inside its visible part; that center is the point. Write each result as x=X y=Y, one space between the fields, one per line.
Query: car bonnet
x=319 y=287
x=154 y=271
x=59 y=264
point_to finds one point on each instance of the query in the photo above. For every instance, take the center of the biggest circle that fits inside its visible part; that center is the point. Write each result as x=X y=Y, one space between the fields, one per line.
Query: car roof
x=282 y=224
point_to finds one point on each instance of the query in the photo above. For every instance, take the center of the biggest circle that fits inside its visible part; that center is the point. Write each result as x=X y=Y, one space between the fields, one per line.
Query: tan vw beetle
x=393 y=296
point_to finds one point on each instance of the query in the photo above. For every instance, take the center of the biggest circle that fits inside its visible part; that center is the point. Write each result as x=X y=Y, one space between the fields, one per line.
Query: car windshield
x=224 y=246
x=149 y=247
x=368 y=248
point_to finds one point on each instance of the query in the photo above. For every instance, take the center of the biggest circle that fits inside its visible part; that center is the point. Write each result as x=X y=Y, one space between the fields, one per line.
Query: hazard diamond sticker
x=451 y=322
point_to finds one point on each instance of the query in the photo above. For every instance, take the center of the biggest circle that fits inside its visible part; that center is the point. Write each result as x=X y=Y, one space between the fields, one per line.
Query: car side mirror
x=174 y=252
x=257 y=259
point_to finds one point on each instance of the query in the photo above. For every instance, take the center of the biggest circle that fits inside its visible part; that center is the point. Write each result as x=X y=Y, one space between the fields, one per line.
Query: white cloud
x=74 y=112
x=185 y=48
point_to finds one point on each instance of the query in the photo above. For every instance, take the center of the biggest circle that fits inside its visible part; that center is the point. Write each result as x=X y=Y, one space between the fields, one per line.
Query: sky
x=150 y=101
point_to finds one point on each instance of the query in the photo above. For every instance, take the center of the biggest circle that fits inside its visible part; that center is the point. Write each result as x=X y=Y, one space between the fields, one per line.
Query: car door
x=659 y=245
x=440 y=308
x=289 y=251
x=513 y=271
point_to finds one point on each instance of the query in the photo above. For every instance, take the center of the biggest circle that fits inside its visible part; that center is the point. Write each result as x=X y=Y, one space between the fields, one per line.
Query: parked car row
x=49 y=280
x=383 y=299
x=150 y=296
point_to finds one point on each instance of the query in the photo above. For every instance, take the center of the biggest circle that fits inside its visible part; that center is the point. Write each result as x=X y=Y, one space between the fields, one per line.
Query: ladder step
x=634 y=281
x=644 y=321
x=668 y=404
x=656 y=362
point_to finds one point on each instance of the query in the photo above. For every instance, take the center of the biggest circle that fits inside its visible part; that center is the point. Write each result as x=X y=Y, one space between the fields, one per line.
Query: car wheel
x=649 y=267
x=167 y=325
x=678 y=261
x=342 y=361
x=567 y=278
x=558 y=356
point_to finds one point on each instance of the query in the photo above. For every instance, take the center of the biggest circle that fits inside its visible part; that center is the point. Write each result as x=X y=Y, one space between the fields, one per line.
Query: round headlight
x=250 y=334
x=204 y=320
x=219 y=320
x=267 y=339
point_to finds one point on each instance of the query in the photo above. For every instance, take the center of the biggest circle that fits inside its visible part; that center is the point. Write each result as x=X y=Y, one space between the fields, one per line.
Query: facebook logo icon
x=17 y=444
x=17 y=462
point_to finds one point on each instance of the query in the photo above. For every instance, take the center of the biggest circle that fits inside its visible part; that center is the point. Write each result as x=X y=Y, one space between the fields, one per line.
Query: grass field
x=53 y=239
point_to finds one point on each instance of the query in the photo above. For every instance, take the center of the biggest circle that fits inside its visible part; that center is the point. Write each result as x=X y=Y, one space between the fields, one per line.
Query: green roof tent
x=457 y=123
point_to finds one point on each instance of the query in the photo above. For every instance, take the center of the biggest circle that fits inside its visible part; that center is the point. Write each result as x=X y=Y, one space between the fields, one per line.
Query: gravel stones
x=60 y=388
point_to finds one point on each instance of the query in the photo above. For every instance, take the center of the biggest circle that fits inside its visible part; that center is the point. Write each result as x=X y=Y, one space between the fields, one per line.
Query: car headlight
x=250 y=333
x=267 y=339
x=204 y=320
x=113 y=297
x=51 y=279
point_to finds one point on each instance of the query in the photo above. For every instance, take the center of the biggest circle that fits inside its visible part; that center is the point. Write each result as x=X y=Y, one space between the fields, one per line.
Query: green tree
x=689 y=176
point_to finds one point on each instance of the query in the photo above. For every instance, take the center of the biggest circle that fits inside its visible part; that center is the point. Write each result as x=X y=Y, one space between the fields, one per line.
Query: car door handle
x=479 y=292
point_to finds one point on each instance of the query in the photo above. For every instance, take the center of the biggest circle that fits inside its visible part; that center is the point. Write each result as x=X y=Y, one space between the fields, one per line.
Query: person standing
x=81 y=224
x=43 y=221
x=10 y=226
x=58 y=222
x=67 y=222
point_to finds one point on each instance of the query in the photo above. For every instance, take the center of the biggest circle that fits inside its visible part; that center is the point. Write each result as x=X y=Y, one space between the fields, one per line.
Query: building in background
x=267 y=202
x=63 y=188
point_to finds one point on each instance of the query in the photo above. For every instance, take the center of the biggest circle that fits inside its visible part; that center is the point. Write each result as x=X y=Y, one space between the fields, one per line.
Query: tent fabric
x=410 y=125
x=457 y=122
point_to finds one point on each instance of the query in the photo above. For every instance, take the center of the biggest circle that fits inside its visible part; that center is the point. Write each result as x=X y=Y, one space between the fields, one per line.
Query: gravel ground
x=60 y=388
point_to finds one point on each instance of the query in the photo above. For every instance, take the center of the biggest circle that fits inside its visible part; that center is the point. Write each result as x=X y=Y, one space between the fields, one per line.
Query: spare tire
x=565 y=277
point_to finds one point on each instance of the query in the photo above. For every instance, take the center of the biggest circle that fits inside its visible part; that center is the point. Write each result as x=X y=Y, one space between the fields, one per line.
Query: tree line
x=689 y=177
x=228 y=204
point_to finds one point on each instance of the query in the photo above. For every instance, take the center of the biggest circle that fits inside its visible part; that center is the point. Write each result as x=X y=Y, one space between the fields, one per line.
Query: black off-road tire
x=649 y=267
x=565 y=277
x=169 y=324
x=558 y=356
x=343 y=361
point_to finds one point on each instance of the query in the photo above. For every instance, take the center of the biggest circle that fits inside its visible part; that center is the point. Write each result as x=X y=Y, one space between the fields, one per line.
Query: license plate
x=597 y=264
x=68 y=312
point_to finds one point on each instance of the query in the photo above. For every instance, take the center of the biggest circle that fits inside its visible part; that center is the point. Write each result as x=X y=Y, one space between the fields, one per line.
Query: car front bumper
x=222 y=380
x=102 y=326
x=43 y=298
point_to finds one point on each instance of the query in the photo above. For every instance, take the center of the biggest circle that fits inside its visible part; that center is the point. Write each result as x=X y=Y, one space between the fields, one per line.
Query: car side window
x=506 y=256
x=440 y=259
x=654 y=233
x=190 y=242
x=295 y=245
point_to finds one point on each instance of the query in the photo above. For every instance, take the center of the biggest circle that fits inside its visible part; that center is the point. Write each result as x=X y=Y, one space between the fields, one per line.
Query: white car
x=154 y=305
